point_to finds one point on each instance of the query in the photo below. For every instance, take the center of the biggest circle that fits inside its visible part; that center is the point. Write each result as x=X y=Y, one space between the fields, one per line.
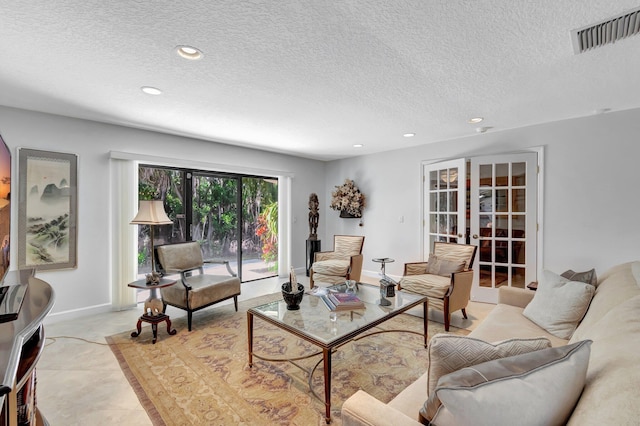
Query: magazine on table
x=342 y=301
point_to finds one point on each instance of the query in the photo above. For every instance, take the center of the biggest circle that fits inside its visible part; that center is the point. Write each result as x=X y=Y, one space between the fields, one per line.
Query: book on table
x=342 y=301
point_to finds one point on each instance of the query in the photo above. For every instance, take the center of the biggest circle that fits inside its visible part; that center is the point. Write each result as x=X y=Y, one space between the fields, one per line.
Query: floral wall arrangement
x=348 y=199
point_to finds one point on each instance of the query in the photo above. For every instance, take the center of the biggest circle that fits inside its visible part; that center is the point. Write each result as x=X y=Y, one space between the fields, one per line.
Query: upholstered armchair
x=343 y=263
x=445 y=279
x=194 y=290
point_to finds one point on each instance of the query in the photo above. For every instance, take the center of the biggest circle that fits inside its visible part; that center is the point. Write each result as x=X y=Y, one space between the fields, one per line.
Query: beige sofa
x=611 y=395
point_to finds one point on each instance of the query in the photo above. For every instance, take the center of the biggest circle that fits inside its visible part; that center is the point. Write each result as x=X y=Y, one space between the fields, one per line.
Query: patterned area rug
x=202 y=377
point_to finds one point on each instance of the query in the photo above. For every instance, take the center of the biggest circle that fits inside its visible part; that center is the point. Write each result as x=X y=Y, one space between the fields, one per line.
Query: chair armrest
x=460 y=290
x=222 y=262
x=415 y=268
x=515 y=296
x=323 y=255
x=361 y=409
x=355 y=267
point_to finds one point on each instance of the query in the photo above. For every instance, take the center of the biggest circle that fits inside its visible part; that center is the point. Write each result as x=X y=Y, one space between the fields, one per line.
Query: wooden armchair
x=343 y=263
x=193 y=291
x=446 y=278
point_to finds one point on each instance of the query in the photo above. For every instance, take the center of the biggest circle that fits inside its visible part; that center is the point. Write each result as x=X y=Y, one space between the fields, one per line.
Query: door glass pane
x=502 y=225
x=433 y=224
x=453 y=224
x=502 y=276
x=502 y=174
x=485 y=276
x=443 y=202
x=518 y=174
x=444 y=179
x=486 y=251
x=433 y=202
x=453 y=178
x=215 y=218
x=517 y=277
x=453 y=201
x=486 y=175
x=518 y=255
x=433 y=180
x=502 y=251
x=518 y=223
x=502 y=201
x=486 y=200
x=442 y=228
x=259 y=228
x=486 y=225
x=519 y=200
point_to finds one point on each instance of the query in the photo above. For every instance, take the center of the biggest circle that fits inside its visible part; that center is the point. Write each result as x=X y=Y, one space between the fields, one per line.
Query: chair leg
x=447 y=315
x=189 y=317
x=235 y=302
x=164 y=308
x=464 y=313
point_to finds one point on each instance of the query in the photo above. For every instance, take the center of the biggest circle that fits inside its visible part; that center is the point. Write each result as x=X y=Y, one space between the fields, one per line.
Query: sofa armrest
x=515 y=296
x=361 y=409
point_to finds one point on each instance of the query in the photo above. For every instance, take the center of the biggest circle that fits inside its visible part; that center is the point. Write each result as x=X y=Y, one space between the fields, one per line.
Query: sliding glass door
x=231 y=216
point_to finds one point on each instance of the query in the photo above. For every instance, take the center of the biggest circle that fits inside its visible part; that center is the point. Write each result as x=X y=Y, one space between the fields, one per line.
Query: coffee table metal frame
x=328 y=346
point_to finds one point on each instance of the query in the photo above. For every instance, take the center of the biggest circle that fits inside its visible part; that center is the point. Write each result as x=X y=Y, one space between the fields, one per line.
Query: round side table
x=154 y=304
x=383 y=260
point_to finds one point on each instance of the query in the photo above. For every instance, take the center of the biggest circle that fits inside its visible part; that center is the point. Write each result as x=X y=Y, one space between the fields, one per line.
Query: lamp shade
x=151 y=212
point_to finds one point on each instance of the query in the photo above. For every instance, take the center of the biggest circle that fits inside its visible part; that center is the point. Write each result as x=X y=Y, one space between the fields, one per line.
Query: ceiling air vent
x=606 y=32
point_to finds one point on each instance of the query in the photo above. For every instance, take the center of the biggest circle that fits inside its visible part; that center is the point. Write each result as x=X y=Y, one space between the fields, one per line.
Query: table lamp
x=151 y=212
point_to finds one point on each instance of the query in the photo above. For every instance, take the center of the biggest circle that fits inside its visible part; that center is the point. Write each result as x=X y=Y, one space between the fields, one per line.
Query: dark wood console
x=21 y=344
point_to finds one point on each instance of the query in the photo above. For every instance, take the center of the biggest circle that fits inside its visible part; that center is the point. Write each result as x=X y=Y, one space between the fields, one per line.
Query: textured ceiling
x=314 y=77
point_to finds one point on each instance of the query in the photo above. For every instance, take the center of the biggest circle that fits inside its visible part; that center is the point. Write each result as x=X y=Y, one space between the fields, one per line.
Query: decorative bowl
x=292 y=299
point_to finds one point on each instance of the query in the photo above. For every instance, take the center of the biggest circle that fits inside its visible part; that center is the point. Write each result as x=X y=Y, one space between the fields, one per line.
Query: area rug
x=202 y=377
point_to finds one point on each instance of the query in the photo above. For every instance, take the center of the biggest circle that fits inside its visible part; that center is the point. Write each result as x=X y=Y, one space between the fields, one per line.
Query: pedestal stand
x=313 y=246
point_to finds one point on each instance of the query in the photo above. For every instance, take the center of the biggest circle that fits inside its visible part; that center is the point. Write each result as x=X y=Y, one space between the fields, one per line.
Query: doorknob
x=459 y=235
x=475 y=236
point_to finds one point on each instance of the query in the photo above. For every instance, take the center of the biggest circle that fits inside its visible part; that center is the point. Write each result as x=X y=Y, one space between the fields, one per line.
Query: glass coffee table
x=313 y=324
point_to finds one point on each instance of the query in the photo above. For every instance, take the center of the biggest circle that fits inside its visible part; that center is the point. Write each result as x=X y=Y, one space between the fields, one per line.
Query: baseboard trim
x=77 y=313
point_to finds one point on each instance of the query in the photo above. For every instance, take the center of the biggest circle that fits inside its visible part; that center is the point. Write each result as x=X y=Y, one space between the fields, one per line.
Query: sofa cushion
x=448 y=353
x=337 y=267
x=536 y=388
x=611 y=396
x=427 y=284
x=588 y=277
x=559 y=304
x=616 y=286
x=506 y=321
x=444 y=267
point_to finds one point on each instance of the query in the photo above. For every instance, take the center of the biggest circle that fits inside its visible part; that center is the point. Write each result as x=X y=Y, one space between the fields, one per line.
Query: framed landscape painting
x=47 y=213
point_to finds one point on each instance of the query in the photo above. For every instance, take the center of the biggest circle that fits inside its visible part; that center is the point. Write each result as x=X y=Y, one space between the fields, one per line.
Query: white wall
x=591 y=194
x=591 y=199
x=87 y=288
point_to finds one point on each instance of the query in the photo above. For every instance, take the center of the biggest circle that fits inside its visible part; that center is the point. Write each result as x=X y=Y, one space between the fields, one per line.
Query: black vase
x=346 y=215
x=292 y=299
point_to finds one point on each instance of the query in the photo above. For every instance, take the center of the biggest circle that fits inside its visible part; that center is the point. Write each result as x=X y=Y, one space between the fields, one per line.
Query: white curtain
x=284 y=225
x=124 y=249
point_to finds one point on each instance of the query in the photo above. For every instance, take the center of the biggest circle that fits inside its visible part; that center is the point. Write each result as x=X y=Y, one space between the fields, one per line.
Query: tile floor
x=81 y=383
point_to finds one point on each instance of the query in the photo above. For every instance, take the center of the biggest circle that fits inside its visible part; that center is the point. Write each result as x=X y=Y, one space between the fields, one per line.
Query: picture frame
x=47 y=212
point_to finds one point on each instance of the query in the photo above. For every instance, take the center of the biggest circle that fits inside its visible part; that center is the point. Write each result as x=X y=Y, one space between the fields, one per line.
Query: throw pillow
x=443 y=267
x=536 y=388
x=588 y=277
x=559 y=304
x=448 y=353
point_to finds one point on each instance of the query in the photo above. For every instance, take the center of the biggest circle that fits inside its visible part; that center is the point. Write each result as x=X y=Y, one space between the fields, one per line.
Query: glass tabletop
x=313 y=319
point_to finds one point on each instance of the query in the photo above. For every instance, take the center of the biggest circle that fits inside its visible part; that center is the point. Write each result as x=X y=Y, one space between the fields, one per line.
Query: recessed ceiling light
x=409 y=135
x=151 y=90
x=358 y=145
x=475 y=120
x=189 y=52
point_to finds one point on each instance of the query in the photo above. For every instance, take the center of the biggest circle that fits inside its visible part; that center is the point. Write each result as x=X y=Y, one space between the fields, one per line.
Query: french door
x=504 y=193
x=445 y=196
x=490 y=202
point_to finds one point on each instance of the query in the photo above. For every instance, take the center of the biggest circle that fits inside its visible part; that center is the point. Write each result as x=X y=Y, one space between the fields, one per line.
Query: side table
x=154 y=304
x=383 y=260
